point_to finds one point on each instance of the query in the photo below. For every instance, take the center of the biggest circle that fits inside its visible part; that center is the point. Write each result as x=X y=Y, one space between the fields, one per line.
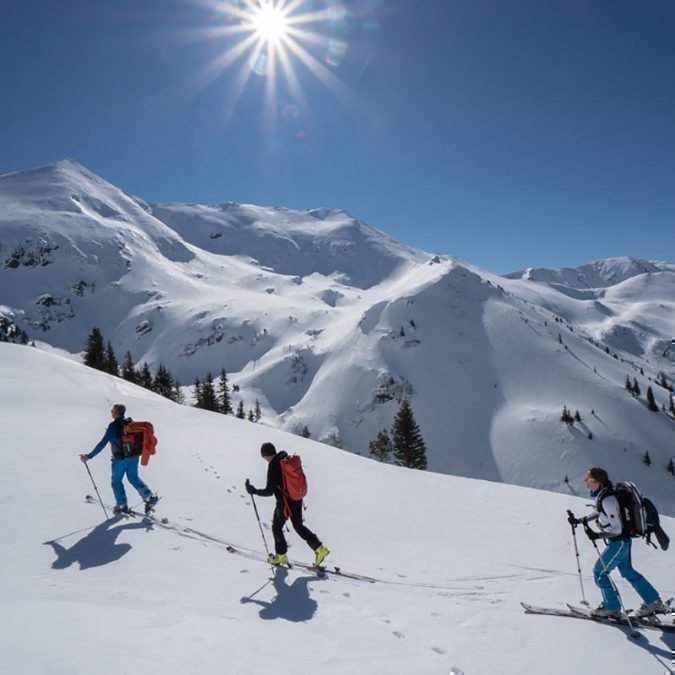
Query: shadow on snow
x=291 y=602
x=97 y=548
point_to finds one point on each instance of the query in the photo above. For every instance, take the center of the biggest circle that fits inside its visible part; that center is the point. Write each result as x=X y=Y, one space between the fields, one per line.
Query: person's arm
x=107 y=437
x=273 y=480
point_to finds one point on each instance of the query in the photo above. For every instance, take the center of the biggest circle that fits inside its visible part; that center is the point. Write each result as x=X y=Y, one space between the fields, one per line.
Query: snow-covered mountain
x=329 y=323
x=452 y=557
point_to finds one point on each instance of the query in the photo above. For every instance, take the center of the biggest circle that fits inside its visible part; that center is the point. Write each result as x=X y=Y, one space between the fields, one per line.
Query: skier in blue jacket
x=123 y=463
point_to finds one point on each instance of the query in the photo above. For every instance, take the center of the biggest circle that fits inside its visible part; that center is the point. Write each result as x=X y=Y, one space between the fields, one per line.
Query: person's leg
x=278 y=520
x=117 y=475
x=131 y=464
x=613 y=555
x=642 y=587
x=305 y=533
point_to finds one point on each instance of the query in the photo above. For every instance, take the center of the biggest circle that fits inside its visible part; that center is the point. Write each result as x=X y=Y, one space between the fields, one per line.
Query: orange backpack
x=139 y=439
x=294 y=481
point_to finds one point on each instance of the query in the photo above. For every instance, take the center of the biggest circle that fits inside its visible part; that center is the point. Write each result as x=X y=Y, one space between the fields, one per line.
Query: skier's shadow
x=97 y=548
x=291 y=602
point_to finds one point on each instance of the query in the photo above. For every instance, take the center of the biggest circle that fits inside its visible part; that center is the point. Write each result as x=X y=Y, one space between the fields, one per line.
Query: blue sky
x=510 y=133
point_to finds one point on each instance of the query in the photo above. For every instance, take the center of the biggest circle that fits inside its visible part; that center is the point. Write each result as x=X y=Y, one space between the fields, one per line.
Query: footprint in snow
x=397 y=634
x=438 y=650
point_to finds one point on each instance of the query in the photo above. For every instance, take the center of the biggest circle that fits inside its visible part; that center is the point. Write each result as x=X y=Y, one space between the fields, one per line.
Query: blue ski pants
x=617 y=554
x=127 y=466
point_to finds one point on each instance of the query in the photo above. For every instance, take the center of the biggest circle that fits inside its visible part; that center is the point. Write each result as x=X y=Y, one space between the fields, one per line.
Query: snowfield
x=452 y=556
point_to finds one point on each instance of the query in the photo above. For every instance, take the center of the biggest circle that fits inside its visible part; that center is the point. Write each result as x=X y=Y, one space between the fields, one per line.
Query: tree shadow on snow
x=291 y=602
x=96 y=548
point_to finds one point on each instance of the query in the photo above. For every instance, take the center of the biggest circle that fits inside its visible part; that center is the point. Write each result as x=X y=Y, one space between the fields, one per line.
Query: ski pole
x=634 y=630
x=100 y=501
x=573 y=524
x=262 y=534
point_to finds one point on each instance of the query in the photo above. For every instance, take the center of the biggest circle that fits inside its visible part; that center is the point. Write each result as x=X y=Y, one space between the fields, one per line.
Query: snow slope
x=329 y=323
x=453 y=556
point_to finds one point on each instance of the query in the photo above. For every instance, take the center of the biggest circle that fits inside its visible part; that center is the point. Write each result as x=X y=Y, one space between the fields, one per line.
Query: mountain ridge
x=329 y=323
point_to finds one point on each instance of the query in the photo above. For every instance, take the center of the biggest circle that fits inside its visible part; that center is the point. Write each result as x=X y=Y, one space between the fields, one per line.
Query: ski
x=131 y=513
x=583 y=613
x=321 y=570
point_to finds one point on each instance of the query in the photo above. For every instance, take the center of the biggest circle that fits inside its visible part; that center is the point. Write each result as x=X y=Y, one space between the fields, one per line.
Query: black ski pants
x=279 y=520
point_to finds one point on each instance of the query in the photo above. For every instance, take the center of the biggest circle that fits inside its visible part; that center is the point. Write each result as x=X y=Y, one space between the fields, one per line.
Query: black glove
x=249 y=488
x=572 y=520
x=591 y=534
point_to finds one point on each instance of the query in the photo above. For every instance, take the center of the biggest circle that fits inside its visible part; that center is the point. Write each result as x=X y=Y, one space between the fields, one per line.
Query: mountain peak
x=600 y=273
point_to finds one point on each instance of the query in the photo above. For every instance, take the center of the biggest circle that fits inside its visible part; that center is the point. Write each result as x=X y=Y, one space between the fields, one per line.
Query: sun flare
x=269 y=23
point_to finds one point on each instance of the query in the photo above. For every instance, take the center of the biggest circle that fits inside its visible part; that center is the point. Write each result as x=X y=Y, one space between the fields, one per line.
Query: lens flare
x=281 y=43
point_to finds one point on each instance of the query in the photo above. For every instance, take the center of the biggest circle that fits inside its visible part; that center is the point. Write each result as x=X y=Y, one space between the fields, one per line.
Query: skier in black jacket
x=284 y=508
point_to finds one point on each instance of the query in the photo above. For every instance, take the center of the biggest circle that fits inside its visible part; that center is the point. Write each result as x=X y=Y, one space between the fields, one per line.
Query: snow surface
x=329 y=323
x=453 y=556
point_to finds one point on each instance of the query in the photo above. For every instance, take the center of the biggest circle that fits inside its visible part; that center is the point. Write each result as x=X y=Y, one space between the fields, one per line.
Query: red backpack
x=139 y=439
x=293 y=477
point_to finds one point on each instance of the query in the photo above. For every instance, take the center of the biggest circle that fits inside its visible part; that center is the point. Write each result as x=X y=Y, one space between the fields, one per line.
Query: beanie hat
x=267 y=450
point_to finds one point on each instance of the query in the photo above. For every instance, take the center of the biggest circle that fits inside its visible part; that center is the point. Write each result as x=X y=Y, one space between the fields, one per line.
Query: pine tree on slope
x=409 y=447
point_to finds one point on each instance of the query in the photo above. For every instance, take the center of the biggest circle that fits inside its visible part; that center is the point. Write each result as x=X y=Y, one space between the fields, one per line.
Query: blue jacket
x=113 y=435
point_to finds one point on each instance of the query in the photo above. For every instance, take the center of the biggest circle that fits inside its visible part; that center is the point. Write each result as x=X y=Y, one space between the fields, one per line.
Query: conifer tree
x=163 y=383
x=305 y=433
x=258 y=412
x=128 y=369
x=628 y=386
x=94 y=352
x=197 y=393
x=636 y=387
x=407 y=441
x=671 y=467
x=110 y=363
x=647 y=459
x=144 y=376
x=380 y=448
x=209 y=401
x=251 y=415
x=178 y=395
x=224 y=400
x=577 y=416
x=240 y=411
x=651 y=403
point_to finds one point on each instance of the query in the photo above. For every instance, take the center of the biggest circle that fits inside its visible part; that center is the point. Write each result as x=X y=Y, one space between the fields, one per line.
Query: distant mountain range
x=329 y=323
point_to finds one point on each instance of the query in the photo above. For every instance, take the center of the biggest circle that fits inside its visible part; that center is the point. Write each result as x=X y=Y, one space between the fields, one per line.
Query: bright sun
x=269 y=23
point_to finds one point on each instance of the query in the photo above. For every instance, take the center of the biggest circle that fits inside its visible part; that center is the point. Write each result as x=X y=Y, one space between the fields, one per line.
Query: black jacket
x=275 y=482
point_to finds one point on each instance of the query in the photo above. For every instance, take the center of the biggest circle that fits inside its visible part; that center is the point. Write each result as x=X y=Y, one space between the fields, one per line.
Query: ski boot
x=320 y=554
x=150 y=504
x=278 y=559
x=603 y=613
x=121 y=510
x=650 y=608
